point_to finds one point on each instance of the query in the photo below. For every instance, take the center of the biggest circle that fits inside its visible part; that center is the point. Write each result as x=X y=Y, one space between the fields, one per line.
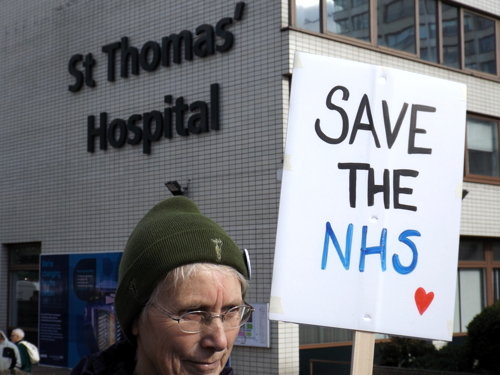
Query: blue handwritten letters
x=381 y=249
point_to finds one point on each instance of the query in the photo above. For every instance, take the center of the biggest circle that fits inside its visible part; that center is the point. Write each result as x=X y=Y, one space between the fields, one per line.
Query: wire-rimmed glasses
x=197 y=321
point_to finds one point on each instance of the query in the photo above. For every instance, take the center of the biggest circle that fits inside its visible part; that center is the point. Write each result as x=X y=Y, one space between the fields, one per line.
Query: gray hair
x=19 y=332
x=172 y=280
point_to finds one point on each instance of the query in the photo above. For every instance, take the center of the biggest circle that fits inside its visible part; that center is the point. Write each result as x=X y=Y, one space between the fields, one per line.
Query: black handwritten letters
x=364 y=111
x=364 y=107
x=391 y=134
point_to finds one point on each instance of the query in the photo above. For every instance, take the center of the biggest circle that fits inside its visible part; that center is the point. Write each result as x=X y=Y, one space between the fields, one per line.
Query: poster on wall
x=255 y=332
x=77 y=316
x=369 y=216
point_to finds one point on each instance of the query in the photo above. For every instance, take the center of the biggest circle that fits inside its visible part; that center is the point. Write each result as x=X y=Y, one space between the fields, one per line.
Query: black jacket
x=118 y=359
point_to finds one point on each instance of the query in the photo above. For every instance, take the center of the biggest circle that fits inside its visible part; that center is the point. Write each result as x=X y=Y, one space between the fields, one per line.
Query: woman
x=179 y=300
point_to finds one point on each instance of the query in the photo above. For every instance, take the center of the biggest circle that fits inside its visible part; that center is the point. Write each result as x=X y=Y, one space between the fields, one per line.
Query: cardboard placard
x=369 y=216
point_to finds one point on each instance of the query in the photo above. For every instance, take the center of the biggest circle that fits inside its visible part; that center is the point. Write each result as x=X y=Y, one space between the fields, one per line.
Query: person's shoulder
x=118 y=359
x=21 y=345
x=10 y=344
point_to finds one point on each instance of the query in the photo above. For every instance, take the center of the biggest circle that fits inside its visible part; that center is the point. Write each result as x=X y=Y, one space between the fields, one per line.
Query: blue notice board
x=77 y=316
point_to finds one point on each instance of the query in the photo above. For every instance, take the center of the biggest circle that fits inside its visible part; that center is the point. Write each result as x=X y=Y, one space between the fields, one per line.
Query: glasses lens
x=237 y=316
x=232 y=317
x=193 y=322
x=197 y=321
x=246 y=314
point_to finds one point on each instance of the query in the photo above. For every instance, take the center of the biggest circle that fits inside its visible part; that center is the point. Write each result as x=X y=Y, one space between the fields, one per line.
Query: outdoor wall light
x=175 y=188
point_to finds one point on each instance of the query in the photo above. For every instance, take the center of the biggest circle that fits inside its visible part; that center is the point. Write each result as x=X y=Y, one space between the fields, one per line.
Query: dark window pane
x=471 y=250
x=482 y=147
x=428 y=40
x=496 y=252
x=470 y=48
x=349 y=18
x=26 y=253
x=396 y=24
x=24 y=292
x=450 y=37
x=318 y=335
x=479 y=34
x=307 y=14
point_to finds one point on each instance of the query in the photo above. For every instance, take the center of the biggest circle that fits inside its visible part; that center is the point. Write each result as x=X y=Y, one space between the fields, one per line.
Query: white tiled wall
x=53 y=191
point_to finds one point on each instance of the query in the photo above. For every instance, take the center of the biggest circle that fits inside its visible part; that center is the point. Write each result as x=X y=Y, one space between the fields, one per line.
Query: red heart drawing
x=423 y=299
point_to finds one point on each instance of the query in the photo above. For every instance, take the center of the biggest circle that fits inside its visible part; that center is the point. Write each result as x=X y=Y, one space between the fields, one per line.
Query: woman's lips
x=205 y=365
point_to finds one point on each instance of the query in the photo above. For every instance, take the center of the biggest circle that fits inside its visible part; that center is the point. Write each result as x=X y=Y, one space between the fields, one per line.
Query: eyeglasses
x=197 y=321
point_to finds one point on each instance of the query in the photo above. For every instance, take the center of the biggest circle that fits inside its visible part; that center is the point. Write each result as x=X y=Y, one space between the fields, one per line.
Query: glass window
x=24 y=293
x=396 y=28
x=319 y=335
x=396 y=24
x=481 y=32
x=349 y=18
x=24 y=288
x=470 y=297
x=471 y=250
x=478 y=282
x=27 y=254
x=470 y=48
x=428 y=20
x=307 y=14
x=496 y=252
x=401 y=40
x=467 y=40
x=482 y=147
x=450 y=37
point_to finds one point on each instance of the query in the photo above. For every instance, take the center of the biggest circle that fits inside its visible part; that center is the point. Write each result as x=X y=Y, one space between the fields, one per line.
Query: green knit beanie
x=173 y=233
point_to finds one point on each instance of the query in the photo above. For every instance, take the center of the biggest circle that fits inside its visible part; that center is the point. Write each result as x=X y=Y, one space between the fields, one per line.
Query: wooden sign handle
x=363 y=348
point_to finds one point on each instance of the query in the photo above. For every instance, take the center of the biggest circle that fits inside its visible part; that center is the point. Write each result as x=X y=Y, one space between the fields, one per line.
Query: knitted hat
x=173 y=233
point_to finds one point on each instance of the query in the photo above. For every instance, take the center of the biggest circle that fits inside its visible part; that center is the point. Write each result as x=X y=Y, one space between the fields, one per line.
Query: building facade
x=105 y=102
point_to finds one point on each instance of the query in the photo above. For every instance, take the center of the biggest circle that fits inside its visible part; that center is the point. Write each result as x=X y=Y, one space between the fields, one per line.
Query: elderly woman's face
x=164 y=349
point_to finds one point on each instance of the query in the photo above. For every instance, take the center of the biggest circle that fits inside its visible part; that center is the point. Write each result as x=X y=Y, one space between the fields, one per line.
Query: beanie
x=173 y=233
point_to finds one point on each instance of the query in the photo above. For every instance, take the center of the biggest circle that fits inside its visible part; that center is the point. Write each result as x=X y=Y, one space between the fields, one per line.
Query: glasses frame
x=208 y=316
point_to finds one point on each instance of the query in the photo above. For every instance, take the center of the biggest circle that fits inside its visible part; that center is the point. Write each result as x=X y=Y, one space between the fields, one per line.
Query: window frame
x=469 y=177
x=373 y=43
x=30 y=332
x=488 y=264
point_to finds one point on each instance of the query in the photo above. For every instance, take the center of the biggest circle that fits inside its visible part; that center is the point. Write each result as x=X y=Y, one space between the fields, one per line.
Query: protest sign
x=369 y=216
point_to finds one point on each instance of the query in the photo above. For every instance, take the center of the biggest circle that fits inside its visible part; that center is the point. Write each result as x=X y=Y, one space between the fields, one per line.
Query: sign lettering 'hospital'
x=382 y=149
x=206 y=41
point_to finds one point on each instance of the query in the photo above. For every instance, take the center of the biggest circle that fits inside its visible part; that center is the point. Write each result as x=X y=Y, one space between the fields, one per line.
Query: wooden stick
x=363 y=347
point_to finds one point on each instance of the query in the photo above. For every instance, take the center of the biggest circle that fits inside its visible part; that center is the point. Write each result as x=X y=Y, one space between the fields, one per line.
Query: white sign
x=369 y=216
x=255 y=332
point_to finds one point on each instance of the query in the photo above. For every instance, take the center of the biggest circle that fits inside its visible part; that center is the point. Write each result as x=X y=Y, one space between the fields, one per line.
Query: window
x=430 y=30
x=361 y=21
x=482 y=157
x=396 y=24
x=320 y=335
x=478 y=279
x=24 y=287
x=307 y=14
x=480 y=31
x=349 y=19
x=395 y=10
